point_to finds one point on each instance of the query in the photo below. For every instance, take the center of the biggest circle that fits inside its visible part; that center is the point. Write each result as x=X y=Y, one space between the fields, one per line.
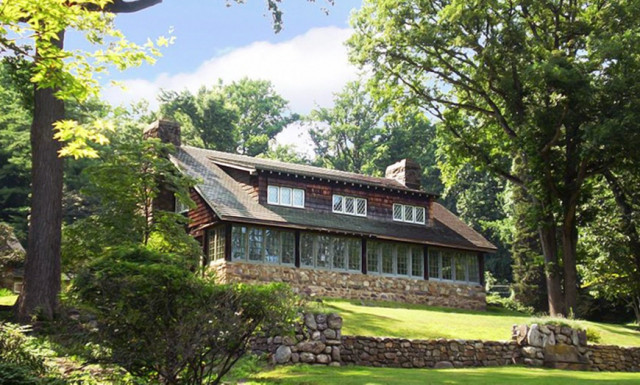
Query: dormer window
x=349 y=205
x=408 y=213
x=285 y=196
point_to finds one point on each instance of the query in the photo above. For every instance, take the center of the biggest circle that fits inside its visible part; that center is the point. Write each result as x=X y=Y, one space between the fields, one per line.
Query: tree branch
x=121 y=6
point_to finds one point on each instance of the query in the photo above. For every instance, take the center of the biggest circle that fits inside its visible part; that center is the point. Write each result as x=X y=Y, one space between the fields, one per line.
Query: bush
x=495 y=299
x=17 y=348
x=5 y=292
x=14 y=374
x=159 y=319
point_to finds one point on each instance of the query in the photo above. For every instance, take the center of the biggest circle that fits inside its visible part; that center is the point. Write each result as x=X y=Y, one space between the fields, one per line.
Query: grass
x=356 y=375
x=8 y=300
x=388 y=319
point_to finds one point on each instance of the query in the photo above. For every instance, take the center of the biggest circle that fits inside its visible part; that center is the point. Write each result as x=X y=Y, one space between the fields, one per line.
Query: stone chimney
x=165 y=130
x=407 y=172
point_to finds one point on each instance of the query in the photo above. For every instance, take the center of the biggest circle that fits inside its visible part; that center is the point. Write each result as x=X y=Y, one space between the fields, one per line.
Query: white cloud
x=305 y=70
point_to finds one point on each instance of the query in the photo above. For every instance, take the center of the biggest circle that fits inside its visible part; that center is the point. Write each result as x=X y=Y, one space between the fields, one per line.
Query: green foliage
x=124 y=215
x=239 y=117
x=5 y=292
x=19 y=349
x=508 y=303
x=158 y=318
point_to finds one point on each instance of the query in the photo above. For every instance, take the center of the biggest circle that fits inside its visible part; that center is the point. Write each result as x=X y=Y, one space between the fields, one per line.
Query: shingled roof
x=231 y=203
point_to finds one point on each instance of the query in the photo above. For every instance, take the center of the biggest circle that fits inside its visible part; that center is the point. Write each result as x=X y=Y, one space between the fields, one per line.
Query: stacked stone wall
x=614 y=358
x=317 y=340
x=441 y=353
x=326 y=283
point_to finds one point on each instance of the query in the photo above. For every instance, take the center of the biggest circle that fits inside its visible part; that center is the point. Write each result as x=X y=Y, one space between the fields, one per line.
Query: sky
x=219 y=39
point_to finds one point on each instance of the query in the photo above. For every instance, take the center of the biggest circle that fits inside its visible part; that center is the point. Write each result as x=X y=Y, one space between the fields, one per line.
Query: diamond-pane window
x=298 y=197
x=362 y=207
x=285 y=196
x=349 y=205
x=398 y=212
x=273 y=195
x=338 y=203
x=408 y=213
x=419 y=214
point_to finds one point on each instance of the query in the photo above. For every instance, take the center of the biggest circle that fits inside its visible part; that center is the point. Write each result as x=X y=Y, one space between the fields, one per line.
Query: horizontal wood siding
x=249 y=183
x=202 y=214
x=319 y=195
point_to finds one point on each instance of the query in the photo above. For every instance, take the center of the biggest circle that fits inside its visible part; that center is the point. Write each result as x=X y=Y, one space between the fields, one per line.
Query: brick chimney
x=407 y=172
x=165 y=130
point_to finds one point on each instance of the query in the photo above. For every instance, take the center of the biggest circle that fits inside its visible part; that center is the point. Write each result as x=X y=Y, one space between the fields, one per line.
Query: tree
x=542 y=82
x=59 y=76
x=239 y=117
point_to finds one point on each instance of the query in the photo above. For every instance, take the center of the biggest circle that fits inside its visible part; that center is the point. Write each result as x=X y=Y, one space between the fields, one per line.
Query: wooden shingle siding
x=319 y=195
x=248 y=183
x=202 y=214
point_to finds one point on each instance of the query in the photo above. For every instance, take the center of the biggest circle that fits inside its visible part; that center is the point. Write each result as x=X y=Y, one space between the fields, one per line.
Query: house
x=326 y=232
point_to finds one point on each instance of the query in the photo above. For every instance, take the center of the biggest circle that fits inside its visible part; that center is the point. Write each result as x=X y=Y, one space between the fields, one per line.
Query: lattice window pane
x=285 y=196
x=256 y=244
x=338 y=203
x=473 y=269
x=419 y=214
x=387 y=259
x=288 y=247
x=372 y=257
x=447 y=261
x=324 y=251
x=417 y=261
x=238 y=243
x=298 y=197
x=362 y=207
x=403 y=260
x=434 y=264
x=349 y=205
x=461 y=267
x=355 y=254
x=340 y=253
x=272 y=249
x=408 y=213
x=273 y=195
x=306 y=249
x=398 y=212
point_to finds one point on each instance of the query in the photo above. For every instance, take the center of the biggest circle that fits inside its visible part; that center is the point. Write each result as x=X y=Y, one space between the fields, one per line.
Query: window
x=264 y=245
x=216 y=242
x=330 y=252
x=285 y=196
x=409 y=214
x=400 y=259
x=349 y=205
x=457 y=266
x=180 y=206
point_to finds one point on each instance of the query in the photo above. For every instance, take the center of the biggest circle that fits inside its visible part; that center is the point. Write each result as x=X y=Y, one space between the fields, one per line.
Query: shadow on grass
x=353 y=375
x=622 y=330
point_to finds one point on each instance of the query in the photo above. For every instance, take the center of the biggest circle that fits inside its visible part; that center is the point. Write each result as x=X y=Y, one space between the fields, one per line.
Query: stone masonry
x=326 y=283
x=317 y=341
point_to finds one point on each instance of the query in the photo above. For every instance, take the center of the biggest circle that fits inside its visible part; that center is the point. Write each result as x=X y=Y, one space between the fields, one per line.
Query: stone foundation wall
x=441 y=353
x=326 y=283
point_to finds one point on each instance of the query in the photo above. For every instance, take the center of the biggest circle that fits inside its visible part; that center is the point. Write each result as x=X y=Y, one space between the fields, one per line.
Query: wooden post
x=297 y=249
x=227 y=241
x=426 y=262
x=481 y=268
x=363 y=263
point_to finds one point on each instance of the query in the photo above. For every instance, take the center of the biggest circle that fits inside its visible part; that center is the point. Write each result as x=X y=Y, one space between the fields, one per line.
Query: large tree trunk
x=42 y=268
x=549 y=245
x=569 y=246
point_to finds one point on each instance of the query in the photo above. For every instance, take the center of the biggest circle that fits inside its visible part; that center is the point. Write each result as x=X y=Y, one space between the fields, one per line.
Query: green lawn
x=423 y=322
x=8 y=300
x=357 y=375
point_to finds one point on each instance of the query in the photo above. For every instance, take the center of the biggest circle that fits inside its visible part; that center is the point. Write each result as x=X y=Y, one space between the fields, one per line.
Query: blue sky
x=306 y=61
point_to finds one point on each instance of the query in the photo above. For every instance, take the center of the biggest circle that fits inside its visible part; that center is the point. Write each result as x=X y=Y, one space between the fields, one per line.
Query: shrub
x=160 y=319
x=5 y=292
x=17 y=348
x=495 y=299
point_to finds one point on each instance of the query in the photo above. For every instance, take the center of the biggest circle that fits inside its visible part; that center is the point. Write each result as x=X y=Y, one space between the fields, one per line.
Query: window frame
x=315 y=238
x=245 y=244
x=413 y=209
x=470 y=259
x=278 y=191
x=343 y=205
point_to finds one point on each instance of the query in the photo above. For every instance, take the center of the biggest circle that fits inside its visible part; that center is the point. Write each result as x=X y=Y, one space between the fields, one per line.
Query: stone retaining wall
x=614 y=358
x=326 y=283
x=441 y=353
x=316 y=341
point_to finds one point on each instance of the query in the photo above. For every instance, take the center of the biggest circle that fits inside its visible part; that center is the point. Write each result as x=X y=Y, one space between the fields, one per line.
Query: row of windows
x=395 y=259
x=330 y=252
x=285 y=196
x=407 y=213
x=349 y=205
x=266 y=245
x=257 y=244
x=453 y=266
